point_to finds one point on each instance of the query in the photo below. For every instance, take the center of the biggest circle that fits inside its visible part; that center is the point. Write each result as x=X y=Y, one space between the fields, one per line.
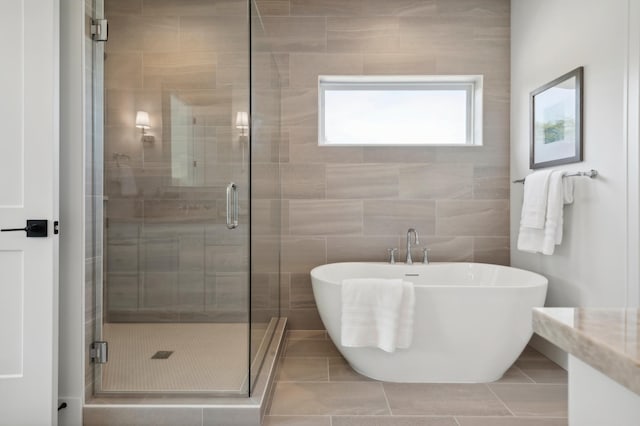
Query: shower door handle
x=232 y=206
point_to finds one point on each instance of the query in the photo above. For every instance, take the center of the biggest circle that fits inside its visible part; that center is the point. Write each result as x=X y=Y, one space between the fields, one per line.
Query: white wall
x=70 y=381
x=550 y=38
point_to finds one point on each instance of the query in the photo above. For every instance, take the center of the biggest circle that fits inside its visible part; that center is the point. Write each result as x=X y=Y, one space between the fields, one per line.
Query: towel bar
x=591 y=174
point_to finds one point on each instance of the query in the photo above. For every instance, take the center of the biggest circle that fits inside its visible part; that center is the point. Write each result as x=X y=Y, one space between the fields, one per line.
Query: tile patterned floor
x=316 y=387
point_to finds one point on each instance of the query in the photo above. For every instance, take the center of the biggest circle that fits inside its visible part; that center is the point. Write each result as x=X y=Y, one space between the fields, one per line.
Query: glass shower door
x=266 y=90
x=173 y=82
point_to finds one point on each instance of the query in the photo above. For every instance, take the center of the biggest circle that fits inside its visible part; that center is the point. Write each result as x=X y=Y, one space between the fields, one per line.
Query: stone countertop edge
x=607 y=359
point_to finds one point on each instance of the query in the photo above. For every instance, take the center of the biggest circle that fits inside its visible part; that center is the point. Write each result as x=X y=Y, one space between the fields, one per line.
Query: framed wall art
x=556 y=121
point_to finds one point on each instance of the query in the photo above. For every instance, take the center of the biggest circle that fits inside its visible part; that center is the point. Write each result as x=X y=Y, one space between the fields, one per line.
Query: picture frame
x=556 y=121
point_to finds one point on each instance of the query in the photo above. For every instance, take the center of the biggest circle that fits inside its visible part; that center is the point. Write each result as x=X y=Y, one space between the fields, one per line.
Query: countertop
x=606 y=339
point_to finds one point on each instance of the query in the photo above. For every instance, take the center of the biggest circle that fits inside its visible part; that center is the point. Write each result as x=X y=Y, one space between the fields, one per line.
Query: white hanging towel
x=560 y=192
x=377 y=313
x=534 y=205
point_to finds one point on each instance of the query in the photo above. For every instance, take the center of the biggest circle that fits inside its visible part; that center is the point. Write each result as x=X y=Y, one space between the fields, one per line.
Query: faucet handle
x=392 y=255
x=425 y=258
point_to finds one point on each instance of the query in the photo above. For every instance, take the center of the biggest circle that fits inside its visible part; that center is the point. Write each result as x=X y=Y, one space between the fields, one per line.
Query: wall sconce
x=242 y=122
x=143 y=122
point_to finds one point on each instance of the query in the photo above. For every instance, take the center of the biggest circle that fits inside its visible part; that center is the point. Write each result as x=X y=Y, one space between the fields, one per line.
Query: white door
x=28 y=190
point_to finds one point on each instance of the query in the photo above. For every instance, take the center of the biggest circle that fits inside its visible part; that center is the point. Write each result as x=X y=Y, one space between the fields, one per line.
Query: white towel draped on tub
x=377 y=313
x=544 y=240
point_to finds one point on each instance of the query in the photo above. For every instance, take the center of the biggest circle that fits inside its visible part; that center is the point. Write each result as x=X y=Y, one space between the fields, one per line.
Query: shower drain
x=162 y=355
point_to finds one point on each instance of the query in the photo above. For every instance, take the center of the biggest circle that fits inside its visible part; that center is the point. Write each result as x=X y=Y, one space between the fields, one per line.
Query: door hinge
x=56 y=227
x=99 y=30
x=99 y=352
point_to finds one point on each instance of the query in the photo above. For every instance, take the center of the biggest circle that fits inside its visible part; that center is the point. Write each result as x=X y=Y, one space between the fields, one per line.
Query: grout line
x=499 y=399
x=525 y=375
x=386 y=399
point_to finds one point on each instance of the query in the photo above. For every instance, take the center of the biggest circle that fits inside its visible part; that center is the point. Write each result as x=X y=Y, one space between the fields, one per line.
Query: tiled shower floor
x=316 y=387
x=206 y=357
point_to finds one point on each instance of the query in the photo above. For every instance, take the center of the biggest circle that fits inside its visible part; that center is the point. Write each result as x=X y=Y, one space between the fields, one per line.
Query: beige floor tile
x=311 y=348
x=542 y=370
x=328 y=399
x=296 y=421
x=514 y=375
x=341 y=371
x=303 y=370
x=533 y=399
x=443 y=399
x=392 y=421
x=530 y=353
x=510 y=421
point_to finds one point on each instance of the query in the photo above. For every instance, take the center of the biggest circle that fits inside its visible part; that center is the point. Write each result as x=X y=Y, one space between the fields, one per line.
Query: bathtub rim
x=541 y=280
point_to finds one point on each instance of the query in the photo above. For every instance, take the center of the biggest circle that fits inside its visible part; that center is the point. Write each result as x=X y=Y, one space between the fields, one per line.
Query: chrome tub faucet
x=416 y=241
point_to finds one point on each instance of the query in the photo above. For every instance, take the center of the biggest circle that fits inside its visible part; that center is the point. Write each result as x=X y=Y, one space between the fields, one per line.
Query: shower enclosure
x=184 y=195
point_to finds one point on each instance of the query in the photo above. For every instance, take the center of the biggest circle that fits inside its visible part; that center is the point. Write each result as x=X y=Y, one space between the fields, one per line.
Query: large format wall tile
x=338 y=203
x=195 y=8
x=131 y=32
x=488 y=218
x=325 y=8
x=301 y=34
x=456 y=197
x=354 y=181
x=303 y=181
x=308 y=217
x=302 y=254
x=273 y=7
x=436 y=181
x=394 y=217
x=399 y=7
x=306 y=67
x=359 y=34
x=354 y=249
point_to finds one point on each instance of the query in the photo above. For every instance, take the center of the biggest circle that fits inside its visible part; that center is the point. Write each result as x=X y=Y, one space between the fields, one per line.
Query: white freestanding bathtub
x=471 y=322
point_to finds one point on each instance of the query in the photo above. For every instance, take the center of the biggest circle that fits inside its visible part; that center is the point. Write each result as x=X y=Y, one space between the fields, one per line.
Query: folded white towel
x=534 y=205
x=377 y=313
x=544 y=240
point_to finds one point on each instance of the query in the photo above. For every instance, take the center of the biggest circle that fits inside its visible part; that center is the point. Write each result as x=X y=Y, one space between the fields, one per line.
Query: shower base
x=204 y=357
x=191 y=408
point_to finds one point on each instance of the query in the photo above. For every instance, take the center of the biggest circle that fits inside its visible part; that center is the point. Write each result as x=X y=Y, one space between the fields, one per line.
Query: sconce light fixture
x=242 y=122
x=142 y=121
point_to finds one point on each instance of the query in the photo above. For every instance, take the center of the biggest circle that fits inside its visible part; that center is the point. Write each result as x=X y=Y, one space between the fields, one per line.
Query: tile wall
x=169 y=255
x=350 y=204
x=339 y=204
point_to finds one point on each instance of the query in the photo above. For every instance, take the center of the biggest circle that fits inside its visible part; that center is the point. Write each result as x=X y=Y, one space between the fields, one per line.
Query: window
x=400 y=110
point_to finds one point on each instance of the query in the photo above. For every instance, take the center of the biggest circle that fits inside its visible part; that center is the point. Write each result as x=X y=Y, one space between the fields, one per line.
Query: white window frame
x=472 y=84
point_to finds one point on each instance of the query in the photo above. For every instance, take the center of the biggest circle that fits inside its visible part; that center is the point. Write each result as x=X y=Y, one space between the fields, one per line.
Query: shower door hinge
x=99 y=352
x=99 y=30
